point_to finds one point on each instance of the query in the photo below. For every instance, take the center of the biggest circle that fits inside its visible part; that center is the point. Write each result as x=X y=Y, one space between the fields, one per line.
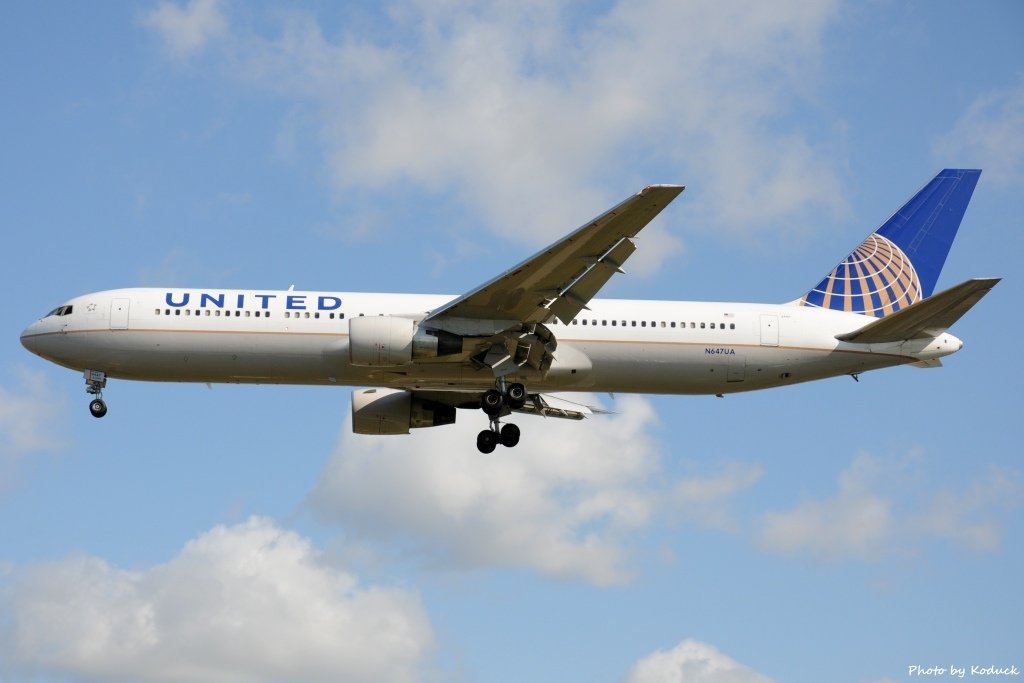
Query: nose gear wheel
x=94 y=383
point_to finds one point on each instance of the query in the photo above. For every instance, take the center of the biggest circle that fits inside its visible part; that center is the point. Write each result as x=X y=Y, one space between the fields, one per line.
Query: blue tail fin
x=900 y=262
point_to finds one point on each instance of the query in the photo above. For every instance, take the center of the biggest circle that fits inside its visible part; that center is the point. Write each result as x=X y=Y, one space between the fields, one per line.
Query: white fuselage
x=261 y=336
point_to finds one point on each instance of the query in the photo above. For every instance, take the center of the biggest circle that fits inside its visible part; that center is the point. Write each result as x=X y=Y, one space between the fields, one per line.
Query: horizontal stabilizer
x=926 y=318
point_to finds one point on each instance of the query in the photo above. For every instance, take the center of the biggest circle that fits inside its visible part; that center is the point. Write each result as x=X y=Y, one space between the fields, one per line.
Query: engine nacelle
x=395 y=411
x=383 y=340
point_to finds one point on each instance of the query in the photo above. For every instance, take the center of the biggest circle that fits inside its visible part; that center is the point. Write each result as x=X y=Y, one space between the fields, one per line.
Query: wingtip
x=668 y=185
x=990 y=282
x=676 y=189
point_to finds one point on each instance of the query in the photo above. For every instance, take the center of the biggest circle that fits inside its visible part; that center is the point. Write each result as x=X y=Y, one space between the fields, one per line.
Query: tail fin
x=900 y=262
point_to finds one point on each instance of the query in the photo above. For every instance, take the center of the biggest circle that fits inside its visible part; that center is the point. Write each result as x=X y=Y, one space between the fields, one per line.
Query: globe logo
x=876 y=279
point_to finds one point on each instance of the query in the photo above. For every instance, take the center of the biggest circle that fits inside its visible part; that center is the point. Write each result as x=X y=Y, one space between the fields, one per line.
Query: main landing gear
x=94 y=383
x=497 y=403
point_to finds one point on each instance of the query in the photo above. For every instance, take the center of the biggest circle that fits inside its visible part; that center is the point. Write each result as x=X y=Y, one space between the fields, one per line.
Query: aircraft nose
x=30 y=337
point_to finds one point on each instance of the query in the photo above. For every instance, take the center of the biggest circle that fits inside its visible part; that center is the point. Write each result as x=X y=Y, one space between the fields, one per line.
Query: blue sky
x=834 y=531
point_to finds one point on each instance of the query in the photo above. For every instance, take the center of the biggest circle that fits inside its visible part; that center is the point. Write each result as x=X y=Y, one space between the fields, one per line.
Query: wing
x=559 y=280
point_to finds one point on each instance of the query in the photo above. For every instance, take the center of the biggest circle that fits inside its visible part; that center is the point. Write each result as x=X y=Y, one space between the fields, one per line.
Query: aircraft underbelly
x=702 y=369
x=323 y=359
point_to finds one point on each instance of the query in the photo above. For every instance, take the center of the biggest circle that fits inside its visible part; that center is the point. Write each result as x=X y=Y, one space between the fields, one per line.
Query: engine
x=384 y=340
x=395 y=411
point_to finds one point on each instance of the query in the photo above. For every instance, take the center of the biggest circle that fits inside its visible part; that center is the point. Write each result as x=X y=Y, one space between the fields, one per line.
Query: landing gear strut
x=496 y=403
x=94 y=383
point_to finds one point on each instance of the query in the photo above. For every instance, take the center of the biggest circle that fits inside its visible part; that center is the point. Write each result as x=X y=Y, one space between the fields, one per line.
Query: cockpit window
x=60 y=310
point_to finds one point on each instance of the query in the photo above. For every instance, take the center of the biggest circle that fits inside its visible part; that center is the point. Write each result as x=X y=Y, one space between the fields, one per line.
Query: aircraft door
x=769 y=330
x=119 y=314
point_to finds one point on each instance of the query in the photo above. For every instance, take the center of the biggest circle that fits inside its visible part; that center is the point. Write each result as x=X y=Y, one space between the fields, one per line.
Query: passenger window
x=702 y=326
x=633 y=323
x=604 y=323
x=643 y=323
x=673 y=324
x=317 y=314
x=613 y=322
x=584 y=322
x=732 y=326
x=712 y=326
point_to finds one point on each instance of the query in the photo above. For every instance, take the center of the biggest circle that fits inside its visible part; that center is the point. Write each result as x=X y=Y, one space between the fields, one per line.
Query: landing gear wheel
x=97 y=407
x=486 y=441
x=516 y=395
x=509 y=435
x=491 y=402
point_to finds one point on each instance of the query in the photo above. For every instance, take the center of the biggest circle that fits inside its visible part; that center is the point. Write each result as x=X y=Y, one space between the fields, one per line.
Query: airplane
x=536 y=328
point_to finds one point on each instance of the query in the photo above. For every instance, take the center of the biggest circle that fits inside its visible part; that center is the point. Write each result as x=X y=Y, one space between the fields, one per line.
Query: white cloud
x=692 y=662
x=29 y=414
x=707 y=500
x=878 y=509
x=563 y=502
x=855 y=522
x=967 y=518
x=186 y=31
x=988 y=136
x=526 y=112
x=250 y=602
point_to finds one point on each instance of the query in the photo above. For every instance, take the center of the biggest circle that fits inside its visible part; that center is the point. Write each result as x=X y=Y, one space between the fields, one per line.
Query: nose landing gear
x=94 y=383
x=98 y=407
x=497 y=403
